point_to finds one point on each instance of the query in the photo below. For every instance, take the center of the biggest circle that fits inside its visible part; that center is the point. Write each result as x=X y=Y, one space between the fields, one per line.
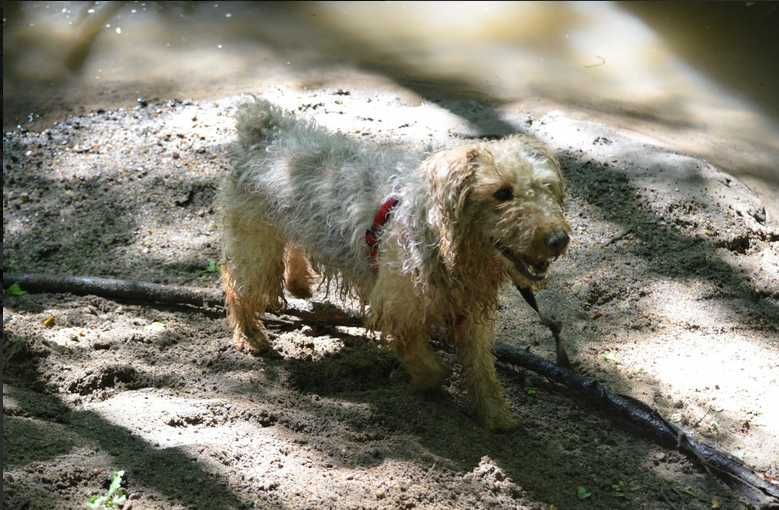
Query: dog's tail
x=258 y=120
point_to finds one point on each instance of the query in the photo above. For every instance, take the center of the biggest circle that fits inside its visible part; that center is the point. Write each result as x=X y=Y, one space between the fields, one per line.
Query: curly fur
x=301 y=194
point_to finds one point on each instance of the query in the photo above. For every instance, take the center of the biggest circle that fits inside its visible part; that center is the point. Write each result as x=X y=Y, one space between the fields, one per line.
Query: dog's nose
x=557 y=242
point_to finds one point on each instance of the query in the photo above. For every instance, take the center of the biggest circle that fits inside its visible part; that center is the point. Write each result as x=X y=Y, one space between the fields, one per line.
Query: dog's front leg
x=399 y=312
x=474 y=340
x=422 y=363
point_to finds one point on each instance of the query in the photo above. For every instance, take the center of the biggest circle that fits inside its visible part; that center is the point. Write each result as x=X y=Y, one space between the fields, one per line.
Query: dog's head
x=505 y=196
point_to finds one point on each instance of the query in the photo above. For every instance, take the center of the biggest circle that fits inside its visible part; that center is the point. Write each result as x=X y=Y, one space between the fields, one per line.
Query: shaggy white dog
x=425 y=240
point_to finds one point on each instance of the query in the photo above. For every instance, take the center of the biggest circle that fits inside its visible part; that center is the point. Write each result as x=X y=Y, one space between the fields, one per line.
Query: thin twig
x=618 y=237
x=695 y=425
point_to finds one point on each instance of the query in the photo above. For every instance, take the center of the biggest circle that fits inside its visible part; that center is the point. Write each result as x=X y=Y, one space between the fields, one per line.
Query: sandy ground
x=669 y=293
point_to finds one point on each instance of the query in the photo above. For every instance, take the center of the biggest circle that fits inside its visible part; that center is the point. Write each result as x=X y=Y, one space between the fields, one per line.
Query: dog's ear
x=451 y=177
x=451 y=174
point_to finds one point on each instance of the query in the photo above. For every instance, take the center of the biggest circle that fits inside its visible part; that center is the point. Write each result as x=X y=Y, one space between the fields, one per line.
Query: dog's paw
x=256 y=344
x=497 y=417
x=503 y=422
x=429 y=379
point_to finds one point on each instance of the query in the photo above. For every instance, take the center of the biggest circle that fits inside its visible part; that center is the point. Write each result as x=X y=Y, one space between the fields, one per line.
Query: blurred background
x=700 y=77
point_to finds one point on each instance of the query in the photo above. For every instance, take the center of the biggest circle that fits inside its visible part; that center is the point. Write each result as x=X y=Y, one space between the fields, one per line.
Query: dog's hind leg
x=298 y=275
x=474 y=340
x=252 y=276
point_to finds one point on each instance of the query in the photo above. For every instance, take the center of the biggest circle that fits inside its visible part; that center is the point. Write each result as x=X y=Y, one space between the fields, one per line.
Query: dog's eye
x=504 y=193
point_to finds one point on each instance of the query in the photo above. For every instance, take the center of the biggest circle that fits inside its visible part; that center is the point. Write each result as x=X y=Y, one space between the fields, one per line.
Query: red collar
x=372 y=234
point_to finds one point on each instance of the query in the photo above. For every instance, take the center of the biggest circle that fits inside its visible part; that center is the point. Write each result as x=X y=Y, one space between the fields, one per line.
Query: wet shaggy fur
x=299 y=200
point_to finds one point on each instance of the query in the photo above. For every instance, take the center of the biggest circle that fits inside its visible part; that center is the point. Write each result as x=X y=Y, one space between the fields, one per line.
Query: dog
x=422 y=239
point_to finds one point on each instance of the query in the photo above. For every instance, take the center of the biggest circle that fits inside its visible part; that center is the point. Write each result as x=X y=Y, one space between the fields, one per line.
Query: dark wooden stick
x=555 y=326
x=115 y=288
x=756 y=490
x=137 y=291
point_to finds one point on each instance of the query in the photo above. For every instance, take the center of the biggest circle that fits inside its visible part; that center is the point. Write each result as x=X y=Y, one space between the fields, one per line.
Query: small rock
x=268 y=486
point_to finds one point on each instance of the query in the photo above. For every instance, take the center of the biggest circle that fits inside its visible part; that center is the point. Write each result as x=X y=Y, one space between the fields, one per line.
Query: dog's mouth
x=533 y=271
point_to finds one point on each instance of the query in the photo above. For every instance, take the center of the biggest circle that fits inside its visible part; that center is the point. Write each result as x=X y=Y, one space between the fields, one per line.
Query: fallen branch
x=758 y=491
x=137 y=291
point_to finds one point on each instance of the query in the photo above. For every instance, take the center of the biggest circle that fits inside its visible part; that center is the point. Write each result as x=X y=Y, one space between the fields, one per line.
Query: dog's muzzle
x=535 y=271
